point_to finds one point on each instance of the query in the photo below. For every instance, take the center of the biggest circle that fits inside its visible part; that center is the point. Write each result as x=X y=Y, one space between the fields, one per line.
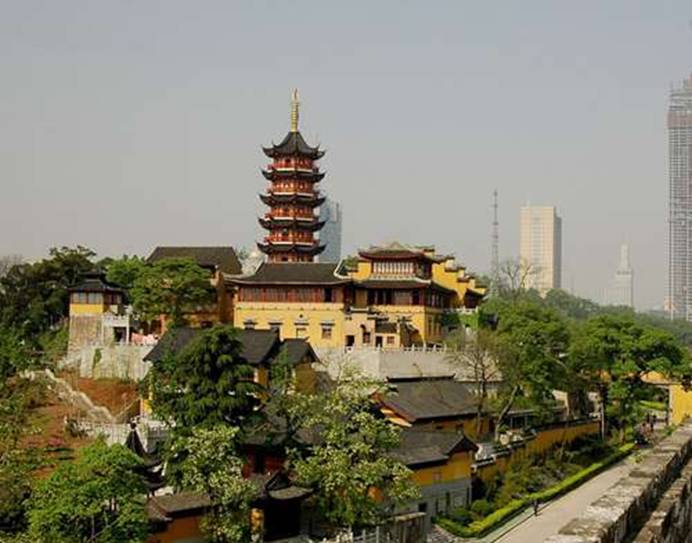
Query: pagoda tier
x=273 y=199
x=292 y=198
x=272 y=174
x=273 y=223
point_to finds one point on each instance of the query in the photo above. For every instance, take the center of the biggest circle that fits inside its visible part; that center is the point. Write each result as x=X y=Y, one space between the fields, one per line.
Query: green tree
x=34 y=297
x=171 y=287
x=125 y=271
x=205 y=384
x=16 y=462
x=612 y=353
x=96 y=498
x=571 y=306
x=212 y=466
x=351 y=467
x=533 y=339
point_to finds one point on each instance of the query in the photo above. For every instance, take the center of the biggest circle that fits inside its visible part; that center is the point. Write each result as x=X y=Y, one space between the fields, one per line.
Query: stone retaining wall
x=114 y=361
x=671 y=522
x=620 y=513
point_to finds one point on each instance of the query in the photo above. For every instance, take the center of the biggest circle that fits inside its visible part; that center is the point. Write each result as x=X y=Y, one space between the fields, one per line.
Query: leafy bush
x=495 y=519
x=461 y=515
x=481 y=508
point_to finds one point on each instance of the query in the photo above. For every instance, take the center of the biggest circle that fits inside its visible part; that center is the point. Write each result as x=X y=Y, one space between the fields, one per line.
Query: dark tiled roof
x=430 y=398
x=298 y=349
x=294 y=273
x=422 y=447
x=223 y=259
x=420 y=455
x=293 y=144
x=385 y=328
x=95 y=282
x=181 y=502
x=277 y=486
x=259 y=346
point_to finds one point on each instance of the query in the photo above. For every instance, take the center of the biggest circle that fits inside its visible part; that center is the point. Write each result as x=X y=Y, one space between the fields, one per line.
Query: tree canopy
x=613 y=354
x=205 y=384
x=533 y=338
x=34 y=297
x=170 y=287
x=97 y=498
x=124 y=271
x=351 y=468
x=212 y=466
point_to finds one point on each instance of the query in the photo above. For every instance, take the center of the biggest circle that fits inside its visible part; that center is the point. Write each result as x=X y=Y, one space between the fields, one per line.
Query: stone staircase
x=63 y=390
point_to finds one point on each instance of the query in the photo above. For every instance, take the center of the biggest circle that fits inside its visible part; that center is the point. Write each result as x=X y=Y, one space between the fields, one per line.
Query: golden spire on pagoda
x=295 y=110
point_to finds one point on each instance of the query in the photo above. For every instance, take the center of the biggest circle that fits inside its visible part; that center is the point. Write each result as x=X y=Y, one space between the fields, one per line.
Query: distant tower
x=540 y=246
x=330 y=235
x=622 y=289
x=495 y=256
x=292 y=197
x=680 y=202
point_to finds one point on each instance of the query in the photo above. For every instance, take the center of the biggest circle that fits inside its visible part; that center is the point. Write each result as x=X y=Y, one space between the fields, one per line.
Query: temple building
x=97 y=313
x=292 y=197
x=393 y=296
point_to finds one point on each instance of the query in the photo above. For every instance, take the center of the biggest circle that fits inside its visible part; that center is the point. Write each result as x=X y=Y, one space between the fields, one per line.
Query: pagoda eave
x=302 y=175
x=270 y=223
x=273 y=248
x=274 y=199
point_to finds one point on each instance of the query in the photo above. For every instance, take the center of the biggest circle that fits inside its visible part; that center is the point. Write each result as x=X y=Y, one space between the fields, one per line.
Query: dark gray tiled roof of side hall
x=222 y=258
x=430 y=447
x=177 y=503
x=259 y=346
x=419 y=399
x=294 y=273
x=95 y=282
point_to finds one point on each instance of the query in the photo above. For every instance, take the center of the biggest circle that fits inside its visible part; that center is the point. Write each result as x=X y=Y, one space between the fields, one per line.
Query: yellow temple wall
x=363 y=272
x=420 y=316
x=264 y=313
x=458 y=467
x=544 y=440
x=680 y=403
x=87 y=309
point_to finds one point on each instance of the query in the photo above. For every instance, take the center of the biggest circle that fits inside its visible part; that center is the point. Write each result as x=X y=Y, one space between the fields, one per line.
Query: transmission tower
x=495 y=255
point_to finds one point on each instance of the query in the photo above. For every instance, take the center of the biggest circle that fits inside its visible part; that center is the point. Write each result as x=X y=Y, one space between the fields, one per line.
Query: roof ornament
x=295 y=110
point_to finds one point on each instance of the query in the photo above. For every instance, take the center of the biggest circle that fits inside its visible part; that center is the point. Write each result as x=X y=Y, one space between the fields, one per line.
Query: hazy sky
x=130 y=124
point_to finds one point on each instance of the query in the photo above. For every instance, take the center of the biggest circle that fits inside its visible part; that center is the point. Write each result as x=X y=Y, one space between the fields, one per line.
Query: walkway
x=556 y=514
x=525 y=528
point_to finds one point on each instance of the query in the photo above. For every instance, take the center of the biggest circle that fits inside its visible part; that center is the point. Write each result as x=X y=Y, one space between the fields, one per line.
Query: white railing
x=411 y=349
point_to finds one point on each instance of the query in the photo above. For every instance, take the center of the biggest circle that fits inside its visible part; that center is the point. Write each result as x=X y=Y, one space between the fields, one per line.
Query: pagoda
x=292 y=197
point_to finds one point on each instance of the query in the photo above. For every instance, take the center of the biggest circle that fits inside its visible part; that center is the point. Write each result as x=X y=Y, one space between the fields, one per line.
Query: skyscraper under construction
x=680 y=201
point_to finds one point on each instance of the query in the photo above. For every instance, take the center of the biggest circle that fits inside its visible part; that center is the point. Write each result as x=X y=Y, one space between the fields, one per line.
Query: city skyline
x=164 y=113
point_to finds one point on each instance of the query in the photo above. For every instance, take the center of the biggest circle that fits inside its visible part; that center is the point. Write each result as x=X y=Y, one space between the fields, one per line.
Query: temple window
x=94 y=298
x=301 y=331
x=326 y=332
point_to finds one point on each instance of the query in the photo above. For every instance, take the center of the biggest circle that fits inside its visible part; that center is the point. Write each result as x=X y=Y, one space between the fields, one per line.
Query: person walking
x=535 y=507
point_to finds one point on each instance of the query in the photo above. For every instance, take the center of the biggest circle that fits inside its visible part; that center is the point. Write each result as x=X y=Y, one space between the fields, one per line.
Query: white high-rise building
x=621 y=291
x=680 y=202
x=540 y=247
x=330 y=235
